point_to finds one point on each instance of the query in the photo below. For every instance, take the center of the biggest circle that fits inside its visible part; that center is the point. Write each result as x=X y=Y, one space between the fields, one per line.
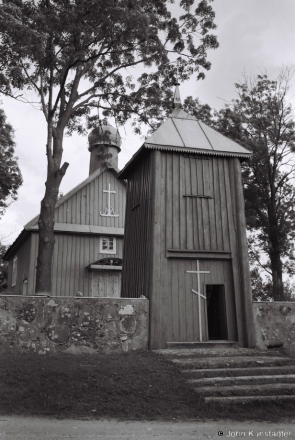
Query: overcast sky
x=255 y=36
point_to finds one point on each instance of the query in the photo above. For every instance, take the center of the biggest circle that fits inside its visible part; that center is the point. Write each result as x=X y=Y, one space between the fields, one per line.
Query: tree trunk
x=275 y=254
x=277 y=278
x=277 y=275
x=46 y=219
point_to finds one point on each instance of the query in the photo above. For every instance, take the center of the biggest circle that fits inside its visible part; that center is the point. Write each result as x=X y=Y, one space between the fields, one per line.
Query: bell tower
x=104 y=146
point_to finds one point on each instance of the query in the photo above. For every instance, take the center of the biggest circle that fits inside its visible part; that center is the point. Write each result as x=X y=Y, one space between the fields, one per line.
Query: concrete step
x=207 y=344
x=176 y=353
x=234 y=372
x=220 y=372
x=231 y=362
x=229 y=400
x=243 y=380
x=247 y=390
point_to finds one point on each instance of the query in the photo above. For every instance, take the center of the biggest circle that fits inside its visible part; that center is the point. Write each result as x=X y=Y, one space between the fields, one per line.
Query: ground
x=29 y=428
x=131 y=386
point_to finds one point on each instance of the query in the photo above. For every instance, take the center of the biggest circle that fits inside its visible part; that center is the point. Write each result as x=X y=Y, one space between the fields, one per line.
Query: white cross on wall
x=198 y=271
x=109 y=211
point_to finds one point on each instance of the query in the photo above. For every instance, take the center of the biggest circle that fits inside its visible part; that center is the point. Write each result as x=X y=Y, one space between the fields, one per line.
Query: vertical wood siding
x=182 y=220
x=72 y=253
x=84 y=207
x=194 y=222
x=23 y=259
x=136 y=256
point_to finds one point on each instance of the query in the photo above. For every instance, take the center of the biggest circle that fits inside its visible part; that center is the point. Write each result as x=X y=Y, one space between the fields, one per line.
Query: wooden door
x=114 y=285
x=106 y=284
x=99 y=283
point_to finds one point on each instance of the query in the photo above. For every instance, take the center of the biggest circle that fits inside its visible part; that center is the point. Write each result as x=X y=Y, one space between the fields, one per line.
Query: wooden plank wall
x=23 y=258
x=72 y=253
x=193 y=223
x=178 y=315
x=136 y=255
x=84 y=207
x=196 y=222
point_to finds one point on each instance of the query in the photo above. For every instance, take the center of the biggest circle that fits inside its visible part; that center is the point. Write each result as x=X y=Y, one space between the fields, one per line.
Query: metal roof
x=182 y=131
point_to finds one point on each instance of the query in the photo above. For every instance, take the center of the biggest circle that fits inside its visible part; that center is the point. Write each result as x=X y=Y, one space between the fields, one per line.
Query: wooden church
x=89 y=229
x=185 y=235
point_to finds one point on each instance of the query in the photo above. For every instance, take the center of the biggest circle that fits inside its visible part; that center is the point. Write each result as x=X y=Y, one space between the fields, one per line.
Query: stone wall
x=73 y=325
x=275 y=325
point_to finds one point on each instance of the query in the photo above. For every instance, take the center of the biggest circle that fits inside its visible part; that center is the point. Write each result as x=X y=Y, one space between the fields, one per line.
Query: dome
x=104 y=134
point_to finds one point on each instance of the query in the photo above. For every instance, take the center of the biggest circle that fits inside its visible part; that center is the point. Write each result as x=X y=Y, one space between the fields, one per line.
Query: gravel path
x=31 y=428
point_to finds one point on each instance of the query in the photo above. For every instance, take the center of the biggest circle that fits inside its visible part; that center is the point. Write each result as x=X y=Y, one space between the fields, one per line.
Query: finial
x=177 y=100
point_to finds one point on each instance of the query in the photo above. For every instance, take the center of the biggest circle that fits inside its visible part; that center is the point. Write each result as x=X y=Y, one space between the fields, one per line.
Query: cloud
x=255 y=36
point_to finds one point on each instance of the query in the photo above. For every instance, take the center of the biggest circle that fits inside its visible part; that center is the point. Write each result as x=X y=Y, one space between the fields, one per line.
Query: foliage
x=3 y=268
x=10 y=175
x=78 y=55
x=262 y=120
x=203 y=112
x=261 y=288
x=54 y=45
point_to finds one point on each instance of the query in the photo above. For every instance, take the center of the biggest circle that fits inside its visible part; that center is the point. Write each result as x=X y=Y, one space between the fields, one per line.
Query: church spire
x=104 y=146
x=177 y=99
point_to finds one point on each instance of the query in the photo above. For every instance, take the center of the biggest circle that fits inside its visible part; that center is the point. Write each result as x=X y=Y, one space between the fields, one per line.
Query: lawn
x=129 y=386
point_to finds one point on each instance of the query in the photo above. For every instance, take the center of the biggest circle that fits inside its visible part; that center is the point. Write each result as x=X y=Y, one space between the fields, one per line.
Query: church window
x=14 y=271
x=107 y=245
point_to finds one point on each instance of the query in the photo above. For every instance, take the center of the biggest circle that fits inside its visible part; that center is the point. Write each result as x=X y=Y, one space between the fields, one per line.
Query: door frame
x=225 y=312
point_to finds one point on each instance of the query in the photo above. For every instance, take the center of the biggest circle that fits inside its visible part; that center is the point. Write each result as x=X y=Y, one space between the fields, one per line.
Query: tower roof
x=104 y=134
x=183 y=133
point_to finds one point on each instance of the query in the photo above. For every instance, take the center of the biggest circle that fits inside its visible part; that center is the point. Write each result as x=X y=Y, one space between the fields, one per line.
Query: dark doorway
x=216 y=312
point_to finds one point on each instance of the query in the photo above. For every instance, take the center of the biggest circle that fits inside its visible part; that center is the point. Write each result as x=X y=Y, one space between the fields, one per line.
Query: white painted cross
x=109 y=211
x=198 y=271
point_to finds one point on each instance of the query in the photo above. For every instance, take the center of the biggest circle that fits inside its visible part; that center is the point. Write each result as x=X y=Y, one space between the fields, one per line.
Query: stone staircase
x=221 y=372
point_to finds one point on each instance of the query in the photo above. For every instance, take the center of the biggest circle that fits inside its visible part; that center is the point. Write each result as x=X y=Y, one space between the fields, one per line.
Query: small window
x=107 y=245
x=14 y=271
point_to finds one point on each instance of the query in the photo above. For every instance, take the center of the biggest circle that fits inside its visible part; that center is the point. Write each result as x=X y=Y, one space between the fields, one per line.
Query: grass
x=129 y=386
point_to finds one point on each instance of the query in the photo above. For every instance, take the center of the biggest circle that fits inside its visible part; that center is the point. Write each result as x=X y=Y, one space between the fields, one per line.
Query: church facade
x=185 y=236
x=89 y=230
x=185 y=245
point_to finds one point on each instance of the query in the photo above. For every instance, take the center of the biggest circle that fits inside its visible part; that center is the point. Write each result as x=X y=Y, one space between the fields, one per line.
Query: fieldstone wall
x=73 y=325
x=275 y=325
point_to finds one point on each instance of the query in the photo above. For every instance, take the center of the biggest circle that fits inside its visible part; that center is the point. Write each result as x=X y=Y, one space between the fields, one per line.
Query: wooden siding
x=243 y=259
x=195 y=205
x=198 y=209
x=194 y=215
x=72 y=253
x=136 y=280
x=84 y=207
x=23 y=261
x=176 y=309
